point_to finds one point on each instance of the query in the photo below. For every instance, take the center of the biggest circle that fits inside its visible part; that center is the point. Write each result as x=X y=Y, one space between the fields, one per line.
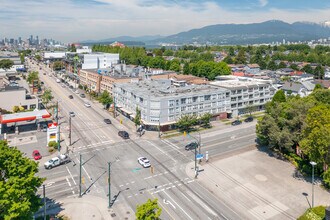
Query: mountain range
x=254 y=33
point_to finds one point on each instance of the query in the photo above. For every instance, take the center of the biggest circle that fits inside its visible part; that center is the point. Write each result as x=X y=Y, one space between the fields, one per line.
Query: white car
x=87 y=104
x=144 y=162
x=77 y=91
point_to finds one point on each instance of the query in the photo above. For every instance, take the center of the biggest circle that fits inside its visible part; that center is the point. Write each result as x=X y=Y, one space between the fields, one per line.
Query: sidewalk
x=91 y=207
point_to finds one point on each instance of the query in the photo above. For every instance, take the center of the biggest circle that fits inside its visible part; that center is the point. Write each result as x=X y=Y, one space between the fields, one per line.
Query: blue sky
x=74 y=20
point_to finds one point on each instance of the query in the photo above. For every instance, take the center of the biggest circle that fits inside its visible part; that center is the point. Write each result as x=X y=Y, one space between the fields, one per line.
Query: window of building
x=207 y=97
x=183 y=101
x=194 y=99
x=171 y=103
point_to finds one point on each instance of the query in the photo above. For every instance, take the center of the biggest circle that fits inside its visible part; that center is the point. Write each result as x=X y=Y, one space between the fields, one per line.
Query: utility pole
x=80 y=165
x=114 y=107
x=58 y=130
x=44 y=194
x=159 y=124
x=196 y=173
x=109 y=184
x=70 y=138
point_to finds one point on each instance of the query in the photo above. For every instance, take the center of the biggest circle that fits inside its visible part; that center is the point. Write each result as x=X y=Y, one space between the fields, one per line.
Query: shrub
x=316 y=213
x=52 y=144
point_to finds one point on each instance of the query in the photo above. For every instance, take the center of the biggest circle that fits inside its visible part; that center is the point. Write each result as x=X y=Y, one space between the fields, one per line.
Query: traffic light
x=121 y=121
x=184 y=133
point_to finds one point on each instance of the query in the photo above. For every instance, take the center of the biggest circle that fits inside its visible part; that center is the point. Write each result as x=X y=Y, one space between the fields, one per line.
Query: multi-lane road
x=180 y=196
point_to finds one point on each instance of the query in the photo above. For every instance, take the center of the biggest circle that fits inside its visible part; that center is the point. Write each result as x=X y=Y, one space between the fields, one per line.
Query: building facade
x=99 y=60
x=246 y=95
x=11 y=96
x=162 y=104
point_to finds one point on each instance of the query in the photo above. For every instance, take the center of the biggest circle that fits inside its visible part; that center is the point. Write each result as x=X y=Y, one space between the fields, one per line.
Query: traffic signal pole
x=80 y=165
x=109 y=184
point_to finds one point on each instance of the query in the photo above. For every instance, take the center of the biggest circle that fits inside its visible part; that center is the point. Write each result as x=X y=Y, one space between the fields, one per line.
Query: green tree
x=58 y=65
x=279 y=97
x=205 y=120
x=37 y=57
x=281 y=65
x=47 y=97
x=72 y=48
x=272 y=65
x=18 y=184
x=148 y=211
x=6 y=64
x=241 y=58
x=16 y=108
x=137 y=119
x=308 y=69
x=32 y=76
x=228 y=59
x=316 y=139
x=317 y=86
x=105 y=99
x=175 y=66
x=186 y=122
x=319 y=72
x=231 y=51
x=186 y=69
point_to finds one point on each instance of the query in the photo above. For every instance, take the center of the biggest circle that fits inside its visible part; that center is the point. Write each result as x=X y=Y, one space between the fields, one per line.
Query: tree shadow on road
x=53 y=209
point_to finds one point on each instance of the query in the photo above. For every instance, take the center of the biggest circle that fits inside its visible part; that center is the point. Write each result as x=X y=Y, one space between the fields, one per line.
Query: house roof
x=324 y=83
x=308 y=85
x=238 y=74
x=253 y=65
x=291 y=86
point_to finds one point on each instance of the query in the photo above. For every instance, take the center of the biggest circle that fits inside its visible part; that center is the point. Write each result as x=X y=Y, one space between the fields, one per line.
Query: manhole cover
x=128 y=212
x=113 y=215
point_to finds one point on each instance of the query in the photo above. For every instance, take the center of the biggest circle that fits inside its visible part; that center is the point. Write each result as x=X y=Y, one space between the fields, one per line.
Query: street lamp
x=313 y=165
x=199 y=150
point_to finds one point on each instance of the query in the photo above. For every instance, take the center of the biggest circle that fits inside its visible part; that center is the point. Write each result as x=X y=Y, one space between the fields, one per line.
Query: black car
x=191 y=146
x=107 y=121
x=236 y=122
x=249 y=119
x=70 y=97
x=82 y=95
x=123 y=134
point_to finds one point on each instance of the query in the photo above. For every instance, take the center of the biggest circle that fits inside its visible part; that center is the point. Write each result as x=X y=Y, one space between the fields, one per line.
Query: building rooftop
x=236 y=84
x=164 y=88
x=113 y=73
x=11 y=88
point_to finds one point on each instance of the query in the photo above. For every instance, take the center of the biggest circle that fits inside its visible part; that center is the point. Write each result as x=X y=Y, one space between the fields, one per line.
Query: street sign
x=199 y=156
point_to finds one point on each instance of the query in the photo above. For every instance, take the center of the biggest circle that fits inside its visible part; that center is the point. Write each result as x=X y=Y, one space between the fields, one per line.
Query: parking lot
x=262 y=185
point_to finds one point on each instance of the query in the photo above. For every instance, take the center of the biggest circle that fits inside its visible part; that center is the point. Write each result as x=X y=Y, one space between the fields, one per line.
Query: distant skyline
x=78 y=20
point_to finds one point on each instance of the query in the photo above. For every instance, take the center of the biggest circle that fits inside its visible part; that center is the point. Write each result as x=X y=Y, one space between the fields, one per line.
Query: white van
x=58 y=80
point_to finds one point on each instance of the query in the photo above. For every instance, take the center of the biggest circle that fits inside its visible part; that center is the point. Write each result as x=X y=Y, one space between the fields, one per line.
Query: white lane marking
x=71 y=176
x=161 y=150
x=133 y=182
x=200 y=202
x=190 y=181
x=186 y=197
x=88 y=176
x=179 y=206
x=129 y=196
x=149 y=177
x=179 y=184
x=173 y=186
x=72 y=192
x=121 y=185
x=168 y=187
x=170 y=143
x=68 y=181
x=168 y=202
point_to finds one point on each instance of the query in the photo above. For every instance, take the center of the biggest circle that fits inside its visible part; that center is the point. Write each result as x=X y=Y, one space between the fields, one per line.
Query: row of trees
x=294 y=125
x=187 y=122
x=6 y=64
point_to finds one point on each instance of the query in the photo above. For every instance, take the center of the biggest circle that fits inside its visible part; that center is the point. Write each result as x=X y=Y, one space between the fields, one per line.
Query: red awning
x=24 y=116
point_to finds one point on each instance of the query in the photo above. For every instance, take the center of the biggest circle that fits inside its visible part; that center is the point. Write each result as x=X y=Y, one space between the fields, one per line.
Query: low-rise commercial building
x=98 y=60
x=11 y=96
x=162 y=103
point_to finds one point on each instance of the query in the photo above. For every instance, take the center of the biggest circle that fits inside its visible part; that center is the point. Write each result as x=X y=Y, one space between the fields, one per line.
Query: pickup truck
x=56 y=161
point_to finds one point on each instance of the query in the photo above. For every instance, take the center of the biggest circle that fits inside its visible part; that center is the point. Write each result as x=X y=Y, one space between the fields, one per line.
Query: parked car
x=144 y=162
x=58 y=80
x=77 y=91
x=71 y=87
x=70 y=97
x=36 y=155
x=87 y=104
x=82 y=95
x=191 y=146
x=44 y=127
x=123 y=134
x=56 y=161
x=249 y=119
x=72 y=114
x=107 y=121
x=236 y=122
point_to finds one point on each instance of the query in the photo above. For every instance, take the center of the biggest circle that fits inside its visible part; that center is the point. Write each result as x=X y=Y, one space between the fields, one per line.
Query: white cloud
x=63 y=20
x=263 y=3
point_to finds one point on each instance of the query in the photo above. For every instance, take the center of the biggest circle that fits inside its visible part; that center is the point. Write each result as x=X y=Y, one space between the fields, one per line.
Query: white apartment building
x=162 y=103
x=245 y=94
x=99 y=60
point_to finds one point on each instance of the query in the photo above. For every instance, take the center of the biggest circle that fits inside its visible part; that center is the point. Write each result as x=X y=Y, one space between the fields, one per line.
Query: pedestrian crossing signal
x=82 y=180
